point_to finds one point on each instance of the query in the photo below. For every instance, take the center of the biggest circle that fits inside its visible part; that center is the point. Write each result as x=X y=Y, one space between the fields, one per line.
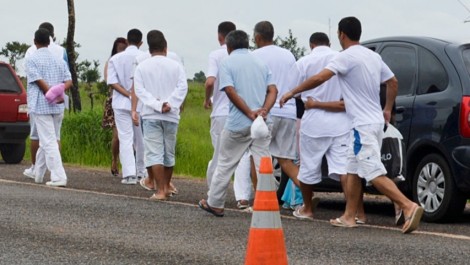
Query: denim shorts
x=159 y=142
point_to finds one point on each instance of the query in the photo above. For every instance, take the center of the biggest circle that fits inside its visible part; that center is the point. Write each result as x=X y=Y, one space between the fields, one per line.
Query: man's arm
x=209 y=85
x=239 y=102
x=392 y=90
x=308 y=84
x=42 y=85
x=271 y=95
x=333 y=106
x=134 y=101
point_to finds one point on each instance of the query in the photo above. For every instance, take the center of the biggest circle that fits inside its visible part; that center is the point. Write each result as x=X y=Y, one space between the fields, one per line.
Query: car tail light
x=23 y=112
x=465 y=117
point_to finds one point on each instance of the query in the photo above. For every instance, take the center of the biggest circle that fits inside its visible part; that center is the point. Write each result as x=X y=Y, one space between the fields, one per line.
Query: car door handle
x=400 y=110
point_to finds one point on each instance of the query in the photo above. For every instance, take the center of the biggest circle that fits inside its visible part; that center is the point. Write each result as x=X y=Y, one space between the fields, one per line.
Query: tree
x=88 y=71
x=199 y=77
x=14 y=51
x=290 y=43
x=70 y=47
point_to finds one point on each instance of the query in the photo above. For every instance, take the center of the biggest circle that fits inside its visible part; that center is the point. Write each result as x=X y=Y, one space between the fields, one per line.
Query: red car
x=14 y=121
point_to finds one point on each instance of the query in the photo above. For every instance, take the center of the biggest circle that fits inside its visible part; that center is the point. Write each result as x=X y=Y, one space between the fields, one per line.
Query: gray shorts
x=159 y=142
x=283 y=138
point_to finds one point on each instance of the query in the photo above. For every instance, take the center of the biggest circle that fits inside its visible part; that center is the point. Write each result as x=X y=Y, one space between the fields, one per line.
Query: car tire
x=12 y=153
x=434 y=189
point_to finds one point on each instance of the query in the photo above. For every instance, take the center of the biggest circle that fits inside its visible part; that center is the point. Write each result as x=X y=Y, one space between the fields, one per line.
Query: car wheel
x=434 y=189
x=12 y=153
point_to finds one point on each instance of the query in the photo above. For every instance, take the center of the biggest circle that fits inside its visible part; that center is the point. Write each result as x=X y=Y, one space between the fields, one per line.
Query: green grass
x=84 y=142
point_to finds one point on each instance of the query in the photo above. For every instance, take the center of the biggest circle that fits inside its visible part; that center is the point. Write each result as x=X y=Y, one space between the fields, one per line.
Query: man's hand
x=207 y=104
x=261 y=112
x=285 y=98
x=311 y=103
x=135 y=118
x=166 y=107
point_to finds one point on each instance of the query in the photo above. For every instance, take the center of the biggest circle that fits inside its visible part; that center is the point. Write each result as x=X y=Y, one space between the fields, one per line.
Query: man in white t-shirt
x=280 y=61
x=120 y=77
x=360 y=72
x=160 y=84
x=219 y=102
x=60 y=53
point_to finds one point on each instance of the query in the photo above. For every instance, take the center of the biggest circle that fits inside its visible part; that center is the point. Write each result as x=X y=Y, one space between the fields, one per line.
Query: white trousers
x=233 y=146
x=242 y=185
x=48 y=154
x=130 y=138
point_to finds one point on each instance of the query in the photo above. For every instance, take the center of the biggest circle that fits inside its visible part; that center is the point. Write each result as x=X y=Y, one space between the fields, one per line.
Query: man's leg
x=232 y=147
x=139 y=151
x=126 y=151
x=290 y=168
x=47 y=133
x=242 y=181
x=170 y=130
x=217 y=125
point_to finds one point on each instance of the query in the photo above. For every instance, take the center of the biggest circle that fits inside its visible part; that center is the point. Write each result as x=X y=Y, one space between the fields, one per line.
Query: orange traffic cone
x=266 y=239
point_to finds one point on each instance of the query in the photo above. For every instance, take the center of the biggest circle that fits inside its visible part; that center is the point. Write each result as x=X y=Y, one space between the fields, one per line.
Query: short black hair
x=134 y=36
x=41 y=36
x=225 y=28
x=350 y=26
x=48 y=26
x=237 y=39
x=319 y=38
x=265 y=29
x=156 y=41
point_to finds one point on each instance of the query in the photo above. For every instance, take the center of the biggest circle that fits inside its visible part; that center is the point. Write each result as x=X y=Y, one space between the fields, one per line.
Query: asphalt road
x=96 y=220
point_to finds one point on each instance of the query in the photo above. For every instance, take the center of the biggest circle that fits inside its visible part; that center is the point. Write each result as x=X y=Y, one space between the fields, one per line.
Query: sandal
x=206 y=207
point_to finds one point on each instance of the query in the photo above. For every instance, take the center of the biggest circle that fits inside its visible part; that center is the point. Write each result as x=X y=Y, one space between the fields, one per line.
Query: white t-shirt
x=281 y=62
x=158 y=80
x=319 y=122
x=56 y=50
x=220 y=101
x=121 y=71
x=360 y=72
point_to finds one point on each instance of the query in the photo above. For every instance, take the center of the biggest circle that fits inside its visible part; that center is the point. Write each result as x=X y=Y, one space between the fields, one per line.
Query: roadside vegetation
x=85 y=142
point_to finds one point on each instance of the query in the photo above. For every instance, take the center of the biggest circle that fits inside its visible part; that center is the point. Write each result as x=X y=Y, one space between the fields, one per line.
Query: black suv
x=14 y=125
x=433 y=114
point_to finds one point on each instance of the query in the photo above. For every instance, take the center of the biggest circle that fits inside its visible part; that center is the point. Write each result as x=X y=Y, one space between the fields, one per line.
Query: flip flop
x=360 y=222
x=142 y=184
x=156 y=198
x=206 y=207
x=340 y=223
x=413 y=220
x=400 y=218
x=300 y=216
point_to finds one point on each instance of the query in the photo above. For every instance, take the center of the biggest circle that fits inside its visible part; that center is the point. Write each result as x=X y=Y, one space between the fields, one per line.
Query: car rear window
x=466 y=59
x=8 y=82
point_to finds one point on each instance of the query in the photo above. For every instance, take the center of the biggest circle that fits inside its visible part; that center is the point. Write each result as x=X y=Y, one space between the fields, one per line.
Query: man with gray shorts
x=280 y=61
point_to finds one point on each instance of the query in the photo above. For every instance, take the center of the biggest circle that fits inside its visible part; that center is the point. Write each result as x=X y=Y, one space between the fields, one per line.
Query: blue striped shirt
x=43 y=65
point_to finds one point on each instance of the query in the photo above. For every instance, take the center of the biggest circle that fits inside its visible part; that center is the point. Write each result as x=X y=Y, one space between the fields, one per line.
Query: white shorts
x=364 y=151
x=283 y=138
x=312 y=150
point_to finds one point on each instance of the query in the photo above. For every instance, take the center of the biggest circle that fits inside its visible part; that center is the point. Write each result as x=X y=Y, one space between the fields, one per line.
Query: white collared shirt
x=121 y=71
x=158 y=80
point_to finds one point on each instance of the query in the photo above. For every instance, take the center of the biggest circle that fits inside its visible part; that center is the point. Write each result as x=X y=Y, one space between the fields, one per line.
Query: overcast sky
x=190 y=27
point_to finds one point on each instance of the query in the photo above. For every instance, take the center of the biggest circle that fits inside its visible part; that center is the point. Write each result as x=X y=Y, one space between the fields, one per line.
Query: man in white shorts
x=360 y=72
x=218 y=101
x=160 y=84
x=280 y=61
x=325 y=127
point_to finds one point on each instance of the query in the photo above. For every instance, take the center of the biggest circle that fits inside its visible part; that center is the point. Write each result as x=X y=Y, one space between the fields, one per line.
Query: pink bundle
x=55 y=94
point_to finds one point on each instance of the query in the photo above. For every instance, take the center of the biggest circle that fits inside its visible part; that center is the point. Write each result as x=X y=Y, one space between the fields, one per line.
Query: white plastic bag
x=259 y=129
